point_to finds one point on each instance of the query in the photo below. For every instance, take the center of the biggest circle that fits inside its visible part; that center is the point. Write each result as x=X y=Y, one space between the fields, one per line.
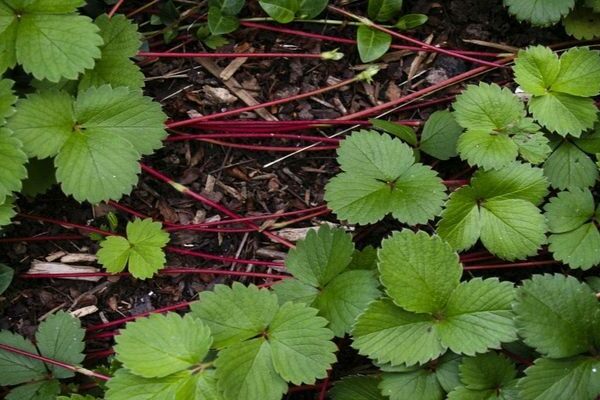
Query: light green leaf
x=372 y=43
x=364 y=259
x=540 y=13
x=536 y=69
x=321 y=256
x=126 y=386
x=60 y=337
x=220 y=23
x=6 y=276
x=383 y=10
x=55 y=46
x=489 y=151
x=554 y=314
x=8 y=53
x=282 y=11
x=245 y=371
x=356 y=388
x=569 y=167
x=301 y=346
x=569 y=210
x=563 y=113
x=121 y=42
x=533 y=147
x=579 y=248
x=387 y=333
x=161 y=345
x=418 y=271
x=7 y=211
x=7 y=100
x=411 y=21
x=583 y=23
x=381 y=177
x=308 y=9
x=405 y=133
x=460 y=225
x=579 y=73
x=440 y=135
x=296 y=291
x=512 y=229
x=249 y=311
x=42 y=390
x=142 y=250
x=421 y=384
x=487 y=371
x=574 y=378
x=13 y=160
x=206 y=386
x=478 y=317
x=16 y=368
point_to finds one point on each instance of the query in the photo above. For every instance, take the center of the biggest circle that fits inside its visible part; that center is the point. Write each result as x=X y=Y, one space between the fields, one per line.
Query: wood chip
x=232 y=68
x=295 y=234
x=83 y=311
x=73 y=258
x=60 y=268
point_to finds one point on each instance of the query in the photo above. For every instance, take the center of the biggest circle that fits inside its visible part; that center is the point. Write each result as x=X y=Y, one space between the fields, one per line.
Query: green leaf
x=296 y=291
x=533 y=147
x=245 y=371
x=126 y=386
x=579 y=73
x=563 y=113
x=440 y=135
x=575 y=378
x=142 y=251
x=282 y=11
x=487 y=371
x=536 y=69
x=228 y=7
x=161 y=345
x=121 y=42
x=364 y=259
x=54 y=44
x=405 y=133
x=554 y=315
x=383 y=10
x=569 y=167
x=60 y=337
x=206 y=386
x=569 y=210
x=489 y=151
x=220 y=23
x=421 y=384
x=13 y=161
x=41 y=176
x=583 y=23
x=16 y=368
x=411 y=21
x=308 y=9
x=249 y=311
x=42 y=390
x=356 y=388
x=8 y=53
x=301 y=346
x=7 y=211
x=540 y=13
x=7 y=100
x=478 y=317
x=6 y=276
x=419 y=271
x=372 y=43
x=381 y=177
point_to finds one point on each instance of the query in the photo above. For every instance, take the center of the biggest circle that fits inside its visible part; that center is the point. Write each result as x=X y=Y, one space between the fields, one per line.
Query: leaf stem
x=121 y=321
x=228 y=55
x=115 y=8
x=166 y=271
x=528 y=264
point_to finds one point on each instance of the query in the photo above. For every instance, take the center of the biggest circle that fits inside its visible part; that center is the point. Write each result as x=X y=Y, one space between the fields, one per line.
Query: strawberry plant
x=59 y=337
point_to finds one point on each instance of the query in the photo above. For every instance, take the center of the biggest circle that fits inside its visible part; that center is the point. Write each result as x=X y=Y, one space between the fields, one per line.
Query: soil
x=236 y=177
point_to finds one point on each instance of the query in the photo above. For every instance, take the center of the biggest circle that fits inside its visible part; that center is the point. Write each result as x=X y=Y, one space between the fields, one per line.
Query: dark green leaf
x=411 y=21
x=372 y=43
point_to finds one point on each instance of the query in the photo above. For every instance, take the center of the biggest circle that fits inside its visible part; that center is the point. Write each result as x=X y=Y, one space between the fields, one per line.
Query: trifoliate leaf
x=555 y=314
x=7 y=100
x=583 y=23
x=98 y=138
x=50 y=42
x=126 y=386
x=498 y=207
x=560 y=87
x=142 y=250
x=7 y=211
x=487 y=371
x=419 y=271
x=540 y=13
x=570 y=167
x=16 y=368
x=440 y=135
x=356 y=388
x=301 y=345
x=295 y=291
x=60 y=337
x=372 y=43
x=245 y=371
x=573 y=378
x=321 y=256
x=381 y=177
x=13 y=161
x=161 y=345
x=419 y=385
x=249 y=311
x=575 y=239
x=490 y=151
x=121 y=42
x=42 y=390
x=478 y=317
